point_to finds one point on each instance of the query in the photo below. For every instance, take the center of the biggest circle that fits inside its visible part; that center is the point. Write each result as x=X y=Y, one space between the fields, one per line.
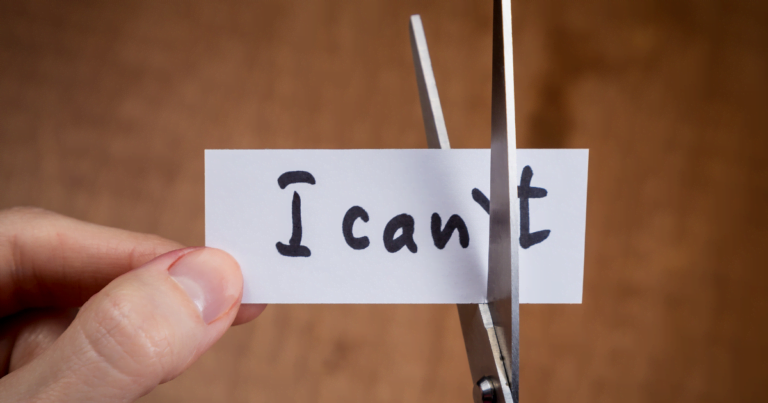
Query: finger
x=23 y=327
x=50 y=260
x=39 y=330
x=248 y=312
x=143 y=329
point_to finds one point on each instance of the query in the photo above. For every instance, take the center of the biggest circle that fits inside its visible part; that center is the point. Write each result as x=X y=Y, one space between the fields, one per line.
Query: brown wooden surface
x=106 y=108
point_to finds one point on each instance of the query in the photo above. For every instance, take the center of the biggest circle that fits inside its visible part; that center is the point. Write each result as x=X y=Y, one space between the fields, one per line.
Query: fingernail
x=210 y=279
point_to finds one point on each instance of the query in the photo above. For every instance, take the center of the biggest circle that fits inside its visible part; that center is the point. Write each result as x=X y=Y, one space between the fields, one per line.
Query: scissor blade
x=483 y=347
x=432 y=112
x=503 y=259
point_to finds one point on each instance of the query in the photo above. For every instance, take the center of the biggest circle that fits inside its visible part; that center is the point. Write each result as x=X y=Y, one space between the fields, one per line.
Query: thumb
x=143 y=329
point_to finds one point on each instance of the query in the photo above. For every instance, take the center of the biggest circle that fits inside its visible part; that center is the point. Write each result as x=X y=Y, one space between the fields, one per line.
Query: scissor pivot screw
x=485 y=390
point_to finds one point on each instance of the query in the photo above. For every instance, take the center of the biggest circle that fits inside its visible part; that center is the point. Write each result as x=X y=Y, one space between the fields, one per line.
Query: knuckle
x=129 y=338
x=23 y=221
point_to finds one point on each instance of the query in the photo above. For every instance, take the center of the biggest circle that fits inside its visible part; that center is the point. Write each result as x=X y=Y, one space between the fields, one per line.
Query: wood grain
x=106 y=108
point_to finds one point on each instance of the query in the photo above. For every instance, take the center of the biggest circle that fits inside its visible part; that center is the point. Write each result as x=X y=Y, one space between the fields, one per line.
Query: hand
x=150 y=308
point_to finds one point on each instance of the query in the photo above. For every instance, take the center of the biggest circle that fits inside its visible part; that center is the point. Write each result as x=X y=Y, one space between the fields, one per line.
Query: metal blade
x=486 y=362
x=431 y=111
x=503 y=260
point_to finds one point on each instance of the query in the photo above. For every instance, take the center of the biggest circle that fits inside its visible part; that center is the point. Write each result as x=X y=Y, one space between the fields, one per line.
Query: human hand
x=149 y=308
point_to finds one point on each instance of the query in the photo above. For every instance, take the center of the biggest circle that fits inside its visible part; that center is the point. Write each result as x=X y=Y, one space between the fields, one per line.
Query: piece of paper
x=391 y=226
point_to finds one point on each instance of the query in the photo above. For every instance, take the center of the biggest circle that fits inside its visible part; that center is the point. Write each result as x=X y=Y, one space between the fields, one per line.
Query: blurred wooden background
x=106 y=108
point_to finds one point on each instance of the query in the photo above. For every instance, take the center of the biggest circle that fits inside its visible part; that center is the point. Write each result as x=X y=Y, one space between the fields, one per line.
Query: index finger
x=47 y=259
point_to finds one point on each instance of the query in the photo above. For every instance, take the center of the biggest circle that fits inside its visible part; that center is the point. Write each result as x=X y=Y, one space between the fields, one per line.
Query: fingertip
x=248 y=312
x=212 y=280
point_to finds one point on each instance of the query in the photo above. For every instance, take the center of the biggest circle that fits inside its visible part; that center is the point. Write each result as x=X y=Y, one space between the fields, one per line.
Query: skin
x=138 y=324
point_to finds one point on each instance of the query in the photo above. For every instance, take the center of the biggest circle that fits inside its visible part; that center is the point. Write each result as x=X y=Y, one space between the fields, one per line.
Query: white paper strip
x=249 y=215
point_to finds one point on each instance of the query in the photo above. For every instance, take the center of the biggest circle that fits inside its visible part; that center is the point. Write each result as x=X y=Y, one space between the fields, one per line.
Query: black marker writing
x=353 y=214
x=524 y=192
x=294 y=247
x=392 y=244
x=441 y=237
x=480 y=198
x=295 y=177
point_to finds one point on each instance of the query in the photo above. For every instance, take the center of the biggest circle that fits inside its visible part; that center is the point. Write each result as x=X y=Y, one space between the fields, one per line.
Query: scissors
x=491 y=330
